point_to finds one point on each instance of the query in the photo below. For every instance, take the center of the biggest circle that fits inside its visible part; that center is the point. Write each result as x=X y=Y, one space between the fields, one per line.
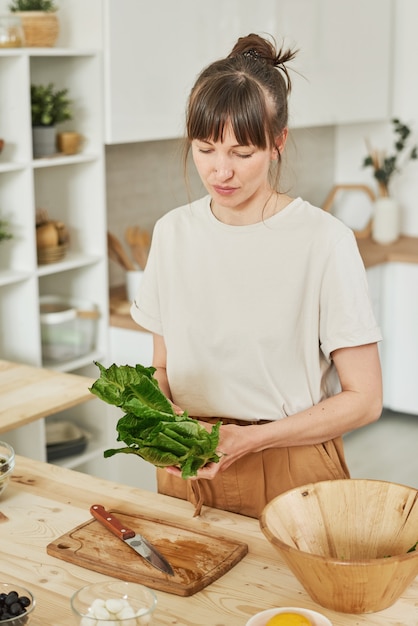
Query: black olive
x=5 y=615
x=11 y=598
x=24 y=601
x=16 y=609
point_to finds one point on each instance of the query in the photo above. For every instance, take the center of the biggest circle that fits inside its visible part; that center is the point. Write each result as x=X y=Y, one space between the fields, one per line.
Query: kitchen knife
x=137 y=542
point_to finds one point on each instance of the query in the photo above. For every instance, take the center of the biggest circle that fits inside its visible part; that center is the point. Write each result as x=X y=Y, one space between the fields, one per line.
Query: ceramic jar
x=386 y=220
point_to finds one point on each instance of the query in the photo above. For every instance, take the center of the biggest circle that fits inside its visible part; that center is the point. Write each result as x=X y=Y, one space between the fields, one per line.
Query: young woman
x=258 y=303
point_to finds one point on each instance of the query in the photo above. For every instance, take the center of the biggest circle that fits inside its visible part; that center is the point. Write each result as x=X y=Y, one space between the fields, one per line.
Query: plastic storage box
x=68 y=328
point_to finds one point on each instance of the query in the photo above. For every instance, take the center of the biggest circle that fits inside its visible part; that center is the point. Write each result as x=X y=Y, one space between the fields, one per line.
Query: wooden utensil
x=139 y=241
x=117 y=253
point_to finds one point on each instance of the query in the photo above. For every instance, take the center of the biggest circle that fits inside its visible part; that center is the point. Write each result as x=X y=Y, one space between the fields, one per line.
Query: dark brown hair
x=248 y=89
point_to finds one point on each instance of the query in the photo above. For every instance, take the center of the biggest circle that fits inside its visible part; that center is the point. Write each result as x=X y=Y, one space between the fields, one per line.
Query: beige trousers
x=252 y=481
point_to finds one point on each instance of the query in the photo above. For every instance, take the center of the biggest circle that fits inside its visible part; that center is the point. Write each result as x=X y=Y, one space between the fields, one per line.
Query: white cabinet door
x=154 y=51
x=343 y=62
x=400 y=336
x=129 y=347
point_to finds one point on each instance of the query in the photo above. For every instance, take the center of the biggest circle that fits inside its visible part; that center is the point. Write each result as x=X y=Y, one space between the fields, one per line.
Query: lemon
x=289 y=619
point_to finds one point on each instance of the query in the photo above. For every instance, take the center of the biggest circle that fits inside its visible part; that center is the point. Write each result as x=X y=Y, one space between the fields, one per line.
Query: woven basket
x=41 y=28
x=53 y=254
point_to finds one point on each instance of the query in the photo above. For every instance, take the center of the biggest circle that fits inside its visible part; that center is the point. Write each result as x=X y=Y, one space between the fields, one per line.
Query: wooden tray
x=198 y=559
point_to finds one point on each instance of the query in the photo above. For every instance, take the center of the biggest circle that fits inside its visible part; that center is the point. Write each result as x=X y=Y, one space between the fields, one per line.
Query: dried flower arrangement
x=385 y=166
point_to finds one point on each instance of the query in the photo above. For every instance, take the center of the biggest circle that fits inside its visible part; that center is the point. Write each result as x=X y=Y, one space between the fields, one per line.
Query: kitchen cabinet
x=343 y=79
x=392 y=272
x=400 y=336
x=154 y=51
x=72 y=190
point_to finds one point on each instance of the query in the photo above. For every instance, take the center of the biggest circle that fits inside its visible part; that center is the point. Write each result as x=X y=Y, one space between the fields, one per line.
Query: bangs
x=242 y=105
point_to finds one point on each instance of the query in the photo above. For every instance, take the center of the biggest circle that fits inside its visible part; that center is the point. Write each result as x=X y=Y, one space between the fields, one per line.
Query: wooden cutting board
x=197 y=558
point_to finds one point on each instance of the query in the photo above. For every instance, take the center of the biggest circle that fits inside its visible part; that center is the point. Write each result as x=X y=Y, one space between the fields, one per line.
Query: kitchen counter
x=404 y=250
x=45 y=501
x=120 y=307
x=30 y=393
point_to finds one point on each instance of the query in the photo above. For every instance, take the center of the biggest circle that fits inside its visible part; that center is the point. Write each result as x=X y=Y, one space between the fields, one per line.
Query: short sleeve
x=346 y=314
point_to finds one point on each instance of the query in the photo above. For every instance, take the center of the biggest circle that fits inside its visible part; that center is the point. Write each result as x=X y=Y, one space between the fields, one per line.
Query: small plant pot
x=44 y=141
x=41 y=28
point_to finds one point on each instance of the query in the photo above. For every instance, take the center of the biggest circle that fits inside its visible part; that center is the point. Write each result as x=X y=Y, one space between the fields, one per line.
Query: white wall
x=405 y=101
x=350 y=140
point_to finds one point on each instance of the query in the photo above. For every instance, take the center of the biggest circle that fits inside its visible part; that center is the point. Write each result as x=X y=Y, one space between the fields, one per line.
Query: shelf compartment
x=74 y=364
x=16 y=197
x=92 y=452
x=15 y=113
x=20 y=337
x=11 y=166
x=59 y=160
x=72 y=260
x=71 y=194
x=9 y=277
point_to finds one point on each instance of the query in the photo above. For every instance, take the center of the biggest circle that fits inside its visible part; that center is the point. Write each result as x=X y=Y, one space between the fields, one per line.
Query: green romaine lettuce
x=150 y=428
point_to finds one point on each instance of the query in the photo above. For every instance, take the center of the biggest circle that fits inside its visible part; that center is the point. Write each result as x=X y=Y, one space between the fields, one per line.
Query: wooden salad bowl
x=350 y=543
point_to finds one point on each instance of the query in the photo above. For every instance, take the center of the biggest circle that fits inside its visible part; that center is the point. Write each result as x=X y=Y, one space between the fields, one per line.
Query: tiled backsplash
x=145 y=180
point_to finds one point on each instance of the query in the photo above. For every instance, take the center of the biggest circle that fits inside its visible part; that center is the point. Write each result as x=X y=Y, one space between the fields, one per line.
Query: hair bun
x=255 y=47
x=251 y=53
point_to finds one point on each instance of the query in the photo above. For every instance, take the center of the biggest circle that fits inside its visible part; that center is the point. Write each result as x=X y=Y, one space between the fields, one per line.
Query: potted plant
x=49 y=106
x=39 y=21
x=4 y=231
x=386 y=218
x=385 y=166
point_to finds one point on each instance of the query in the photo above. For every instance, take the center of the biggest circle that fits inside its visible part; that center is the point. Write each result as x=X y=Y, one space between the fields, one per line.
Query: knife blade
x=136 y=541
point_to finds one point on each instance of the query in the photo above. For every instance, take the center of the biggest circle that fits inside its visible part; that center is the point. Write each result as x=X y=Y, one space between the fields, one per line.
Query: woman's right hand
x=177 y=410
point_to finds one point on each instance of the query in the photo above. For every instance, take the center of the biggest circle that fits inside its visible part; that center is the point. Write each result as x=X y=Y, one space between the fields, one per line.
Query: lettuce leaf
x=150 y=428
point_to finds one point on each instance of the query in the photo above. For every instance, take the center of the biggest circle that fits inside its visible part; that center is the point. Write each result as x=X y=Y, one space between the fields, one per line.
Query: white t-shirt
x=250 y=314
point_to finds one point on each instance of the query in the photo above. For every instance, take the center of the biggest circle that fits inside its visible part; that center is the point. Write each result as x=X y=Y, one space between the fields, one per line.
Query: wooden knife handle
x=111 y=522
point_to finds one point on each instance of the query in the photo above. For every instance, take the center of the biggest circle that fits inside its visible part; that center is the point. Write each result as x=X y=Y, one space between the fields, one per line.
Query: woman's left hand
x=234 y=442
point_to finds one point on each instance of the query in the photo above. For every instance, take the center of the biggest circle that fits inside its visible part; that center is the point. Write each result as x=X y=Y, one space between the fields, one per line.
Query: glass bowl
x=114 y=602
x=7 y=463
x=26 y=601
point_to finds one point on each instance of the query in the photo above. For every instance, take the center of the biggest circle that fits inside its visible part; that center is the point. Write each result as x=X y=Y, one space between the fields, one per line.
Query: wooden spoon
x=139 y=241
x=117 y=252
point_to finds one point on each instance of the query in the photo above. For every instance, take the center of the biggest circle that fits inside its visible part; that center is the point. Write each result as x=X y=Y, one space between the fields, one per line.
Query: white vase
x=386 y=220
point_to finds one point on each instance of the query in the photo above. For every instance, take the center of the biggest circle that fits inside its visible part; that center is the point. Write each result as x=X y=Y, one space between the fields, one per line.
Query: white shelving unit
x=71 y=189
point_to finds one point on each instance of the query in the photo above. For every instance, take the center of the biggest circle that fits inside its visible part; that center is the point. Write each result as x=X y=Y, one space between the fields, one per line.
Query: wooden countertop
x=29 y=393
x=120 y=307
x=45 y=501
x=404 y=250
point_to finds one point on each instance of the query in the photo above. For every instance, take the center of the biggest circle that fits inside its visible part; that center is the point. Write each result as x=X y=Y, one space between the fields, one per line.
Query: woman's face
x=235 y=176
